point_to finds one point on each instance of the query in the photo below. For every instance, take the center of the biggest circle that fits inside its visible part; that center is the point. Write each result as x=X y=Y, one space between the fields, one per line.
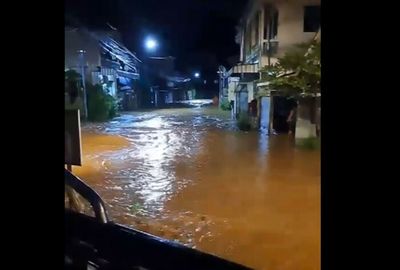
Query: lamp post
x=150 y=45
x=82 y=63
x=221 y=72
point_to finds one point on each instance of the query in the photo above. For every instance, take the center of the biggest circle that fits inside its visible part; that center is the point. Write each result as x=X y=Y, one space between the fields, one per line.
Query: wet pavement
x=188 y=175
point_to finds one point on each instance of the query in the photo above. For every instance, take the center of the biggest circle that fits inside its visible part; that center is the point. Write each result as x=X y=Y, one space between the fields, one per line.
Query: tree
x=101 y=105
x=298 y=72
x=72 y=82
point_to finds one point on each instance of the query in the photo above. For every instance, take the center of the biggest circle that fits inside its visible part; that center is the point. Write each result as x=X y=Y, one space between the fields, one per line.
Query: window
x=274 y=24
x=256 y=27
x=247 y=40
x=311 y=18
x=271 y=23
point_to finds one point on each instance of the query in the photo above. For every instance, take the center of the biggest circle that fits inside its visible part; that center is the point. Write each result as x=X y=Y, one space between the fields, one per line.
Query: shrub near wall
x=243 y=122
x=101 y=106
x=225 y=105
x=310 y=143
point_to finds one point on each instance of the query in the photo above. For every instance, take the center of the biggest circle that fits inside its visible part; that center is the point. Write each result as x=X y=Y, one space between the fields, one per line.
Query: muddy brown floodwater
x=188 y=175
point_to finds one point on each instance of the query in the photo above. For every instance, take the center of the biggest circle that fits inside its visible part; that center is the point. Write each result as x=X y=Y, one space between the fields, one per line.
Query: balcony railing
x=246 y=68
x=253 y=54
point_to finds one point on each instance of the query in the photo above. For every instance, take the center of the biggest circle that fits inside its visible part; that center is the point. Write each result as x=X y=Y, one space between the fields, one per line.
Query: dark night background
x=199 y=33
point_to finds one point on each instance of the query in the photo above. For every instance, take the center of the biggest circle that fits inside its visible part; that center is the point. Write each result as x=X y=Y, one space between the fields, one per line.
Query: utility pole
x=221 y=72
x=82 y=63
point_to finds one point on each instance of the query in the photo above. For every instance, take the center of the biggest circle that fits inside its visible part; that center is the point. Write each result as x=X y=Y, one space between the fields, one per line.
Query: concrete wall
x=291 y=23
x=250 y=89
x=306 y=125
x=264 y=61
x=78 y=104
x=232 y=84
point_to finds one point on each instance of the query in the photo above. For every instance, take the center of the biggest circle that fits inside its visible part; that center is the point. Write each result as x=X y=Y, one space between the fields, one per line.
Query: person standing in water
x=232 y=106
x=291 y=120
x=215 y=101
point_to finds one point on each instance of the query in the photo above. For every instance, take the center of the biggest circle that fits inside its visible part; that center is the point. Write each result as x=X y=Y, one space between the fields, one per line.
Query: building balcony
x=244 y=68
x=252 y=56
x=267 y=48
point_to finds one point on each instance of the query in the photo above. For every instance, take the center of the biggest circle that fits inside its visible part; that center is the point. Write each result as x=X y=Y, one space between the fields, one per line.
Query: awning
x=128 y=74
x=125 y=88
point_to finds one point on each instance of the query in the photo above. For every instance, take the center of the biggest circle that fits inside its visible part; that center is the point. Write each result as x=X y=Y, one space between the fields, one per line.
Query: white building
x=267 y=29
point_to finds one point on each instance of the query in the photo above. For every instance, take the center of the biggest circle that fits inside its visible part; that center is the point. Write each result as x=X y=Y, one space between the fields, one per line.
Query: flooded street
x=188 y=175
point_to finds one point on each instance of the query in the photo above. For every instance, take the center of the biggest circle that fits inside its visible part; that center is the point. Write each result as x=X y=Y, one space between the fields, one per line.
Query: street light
x=197 y=75
x=151 y=44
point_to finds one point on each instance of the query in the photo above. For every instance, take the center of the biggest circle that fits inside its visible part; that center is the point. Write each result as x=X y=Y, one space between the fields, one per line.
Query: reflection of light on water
x=192 y=179
x=197 y=102
x=155 y=122
x=156 y=155
x=263 y=144
x=144 y=168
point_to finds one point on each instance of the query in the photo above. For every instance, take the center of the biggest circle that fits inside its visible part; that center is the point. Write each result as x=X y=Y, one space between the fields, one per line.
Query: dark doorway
x=243 y=97
x=281 y=110
x=162 y=98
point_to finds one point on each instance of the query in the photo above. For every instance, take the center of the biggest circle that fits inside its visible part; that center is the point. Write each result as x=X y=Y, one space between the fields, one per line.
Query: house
x=102 y=58
x=268 y=29
x=168 y=87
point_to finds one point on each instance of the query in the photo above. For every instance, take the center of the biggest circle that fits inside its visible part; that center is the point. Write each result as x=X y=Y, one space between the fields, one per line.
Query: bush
x=310 y=143
x=243 y=122
x=101 y=106
x=72 y=85
x=225 y=105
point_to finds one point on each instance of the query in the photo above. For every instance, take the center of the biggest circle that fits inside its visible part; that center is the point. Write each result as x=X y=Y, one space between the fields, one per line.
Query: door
x=243 y=100
x=265 y=113
x=281 y=110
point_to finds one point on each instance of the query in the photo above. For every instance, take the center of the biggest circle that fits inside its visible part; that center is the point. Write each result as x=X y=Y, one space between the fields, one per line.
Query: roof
x=118 y=50
x=110 y=44
x=131 y=75
x=178 y=77
x=162 y=58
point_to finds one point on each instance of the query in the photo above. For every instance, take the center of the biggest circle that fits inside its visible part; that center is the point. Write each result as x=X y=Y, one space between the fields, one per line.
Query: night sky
x=199 y=33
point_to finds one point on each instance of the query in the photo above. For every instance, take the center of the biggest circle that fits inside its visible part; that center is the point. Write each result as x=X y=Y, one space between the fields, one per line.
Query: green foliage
x=72 y=88
x=72 y=75
x=225 y=105
x=297 y=72
x=101 y=106
x=243 y=122
x=72 y=82
x=311 y=143
x=136 y=209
